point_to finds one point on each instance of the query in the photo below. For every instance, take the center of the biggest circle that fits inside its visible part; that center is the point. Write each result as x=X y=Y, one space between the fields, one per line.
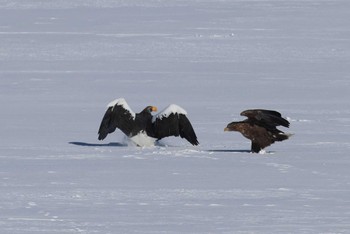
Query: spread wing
x=173 y=122
x=267 y=118
x=118 y=115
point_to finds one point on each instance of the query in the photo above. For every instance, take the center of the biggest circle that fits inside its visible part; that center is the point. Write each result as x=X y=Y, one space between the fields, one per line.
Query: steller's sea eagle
x=144 y=128
x=260 y=128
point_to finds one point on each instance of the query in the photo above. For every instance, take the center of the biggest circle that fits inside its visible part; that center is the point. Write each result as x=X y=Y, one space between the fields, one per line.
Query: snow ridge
x=171 y=109
x=123 y=103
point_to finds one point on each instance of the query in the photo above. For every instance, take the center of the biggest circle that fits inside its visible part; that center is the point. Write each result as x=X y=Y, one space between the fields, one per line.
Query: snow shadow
x=111 y=144
x=228 y=151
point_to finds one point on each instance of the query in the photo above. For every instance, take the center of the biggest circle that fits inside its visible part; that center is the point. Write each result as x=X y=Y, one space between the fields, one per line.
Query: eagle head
x=150 y=109
x=232 y=127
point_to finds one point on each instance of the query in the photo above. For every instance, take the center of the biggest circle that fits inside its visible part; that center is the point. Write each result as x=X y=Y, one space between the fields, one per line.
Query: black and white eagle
x=144 y=128
x=260 y=128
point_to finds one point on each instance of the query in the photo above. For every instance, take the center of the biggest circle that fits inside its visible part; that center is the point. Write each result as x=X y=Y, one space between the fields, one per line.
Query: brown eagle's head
x=232 y=127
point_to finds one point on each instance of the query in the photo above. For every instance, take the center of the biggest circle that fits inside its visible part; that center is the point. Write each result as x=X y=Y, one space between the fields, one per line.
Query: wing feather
x=269 y=118
x=186 y=130
x=118 y=115
x=174 y=123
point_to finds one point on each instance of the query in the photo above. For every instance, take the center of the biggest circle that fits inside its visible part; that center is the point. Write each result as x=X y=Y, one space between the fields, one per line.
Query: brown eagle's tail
x=283 y=136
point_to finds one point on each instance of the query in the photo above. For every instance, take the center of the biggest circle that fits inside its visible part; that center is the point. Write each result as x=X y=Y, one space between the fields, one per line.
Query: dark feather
x=186 y=130
x=170 y=122
x=174 y=125
x=270 y=118
x=260 y=128
x=116 y=117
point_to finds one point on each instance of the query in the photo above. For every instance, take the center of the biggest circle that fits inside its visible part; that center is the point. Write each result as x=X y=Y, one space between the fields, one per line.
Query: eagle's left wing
x=173 y=121
x=270 y=118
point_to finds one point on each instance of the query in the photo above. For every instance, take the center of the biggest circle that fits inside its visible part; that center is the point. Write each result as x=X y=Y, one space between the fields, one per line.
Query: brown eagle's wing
x=270 y=118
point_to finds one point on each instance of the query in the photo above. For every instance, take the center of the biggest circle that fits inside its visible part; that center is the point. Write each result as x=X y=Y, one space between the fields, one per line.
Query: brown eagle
x=260 y=128
x=144 y=128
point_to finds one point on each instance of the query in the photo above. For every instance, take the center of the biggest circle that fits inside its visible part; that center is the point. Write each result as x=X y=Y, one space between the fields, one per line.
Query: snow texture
x=171 y=109
x=61 y=60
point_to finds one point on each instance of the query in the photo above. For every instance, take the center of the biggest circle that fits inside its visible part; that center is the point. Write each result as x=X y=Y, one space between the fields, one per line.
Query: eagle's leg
x=255 y=147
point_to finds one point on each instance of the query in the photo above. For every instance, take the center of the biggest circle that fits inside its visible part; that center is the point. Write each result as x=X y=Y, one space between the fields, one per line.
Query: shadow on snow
x=111 y=144
x=118 y=144
x=238 y=151
x=228 y=151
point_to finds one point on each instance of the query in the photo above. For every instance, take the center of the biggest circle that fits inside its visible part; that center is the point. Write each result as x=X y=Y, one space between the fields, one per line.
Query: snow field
x=62 y=61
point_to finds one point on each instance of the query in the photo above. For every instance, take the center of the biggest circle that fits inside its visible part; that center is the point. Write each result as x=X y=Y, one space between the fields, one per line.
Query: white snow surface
x=171 y=109
x=61 y=60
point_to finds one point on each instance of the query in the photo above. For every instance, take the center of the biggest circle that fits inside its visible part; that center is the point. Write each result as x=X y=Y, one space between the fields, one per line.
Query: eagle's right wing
x=118 y=115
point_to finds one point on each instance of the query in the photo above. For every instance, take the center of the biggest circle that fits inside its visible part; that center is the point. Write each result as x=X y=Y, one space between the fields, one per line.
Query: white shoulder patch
x=171 y=109
x=123 y=103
